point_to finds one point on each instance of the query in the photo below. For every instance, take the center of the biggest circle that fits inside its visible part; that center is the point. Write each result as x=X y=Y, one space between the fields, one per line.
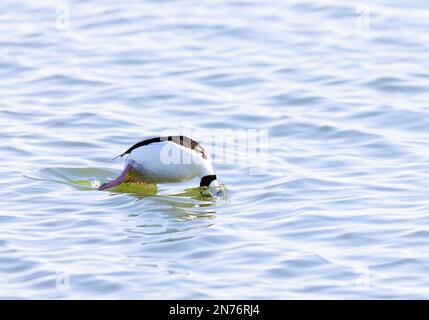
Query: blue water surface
x=342 y=210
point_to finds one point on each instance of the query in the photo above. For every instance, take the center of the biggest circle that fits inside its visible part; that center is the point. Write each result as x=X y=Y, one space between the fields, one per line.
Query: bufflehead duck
x=166 y=159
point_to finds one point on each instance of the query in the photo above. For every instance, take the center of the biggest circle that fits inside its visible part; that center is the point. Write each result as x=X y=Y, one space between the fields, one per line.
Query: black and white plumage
x=166 y=159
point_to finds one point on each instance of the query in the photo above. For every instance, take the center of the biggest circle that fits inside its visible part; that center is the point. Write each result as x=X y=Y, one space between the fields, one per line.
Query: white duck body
x=167 y=161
